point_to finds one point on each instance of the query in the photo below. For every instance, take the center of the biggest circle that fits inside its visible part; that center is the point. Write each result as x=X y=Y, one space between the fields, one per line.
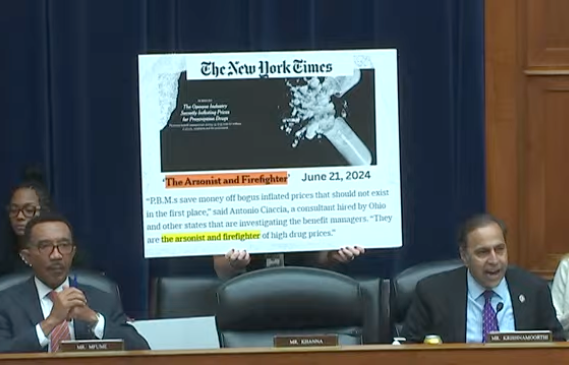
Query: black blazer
x=439 y=306
x=20 y=312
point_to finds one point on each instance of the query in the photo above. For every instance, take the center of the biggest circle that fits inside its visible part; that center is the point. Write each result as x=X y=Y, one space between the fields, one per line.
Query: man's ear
x=25 y=255
x=464 y=256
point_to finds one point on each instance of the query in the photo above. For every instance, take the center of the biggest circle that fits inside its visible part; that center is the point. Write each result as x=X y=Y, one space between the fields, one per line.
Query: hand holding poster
x=269 y=152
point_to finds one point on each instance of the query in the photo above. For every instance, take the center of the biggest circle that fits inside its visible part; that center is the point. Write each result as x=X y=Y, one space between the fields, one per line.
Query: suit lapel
x=517 y=297
x=82 y=331
x=30 y=301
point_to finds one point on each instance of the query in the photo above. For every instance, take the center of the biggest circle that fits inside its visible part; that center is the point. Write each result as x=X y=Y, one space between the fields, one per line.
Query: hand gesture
x=85 y=314
x=346 y=254
x=238 y=260
x=64 y=302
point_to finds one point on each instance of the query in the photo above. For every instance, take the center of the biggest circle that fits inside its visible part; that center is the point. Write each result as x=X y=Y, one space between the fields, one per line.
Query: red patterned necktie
x=59 y=333
x=489 y=319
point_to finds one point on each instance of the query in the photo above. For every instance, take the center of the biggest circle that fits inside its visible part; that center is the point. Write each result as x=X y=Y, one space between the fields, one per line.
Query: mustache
x=56 y=266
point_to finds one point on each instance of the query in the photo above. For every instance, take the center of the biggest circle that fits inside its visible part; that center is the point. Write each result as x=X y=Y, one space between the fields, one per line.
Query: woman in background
x=27 y=200
x=560 y=293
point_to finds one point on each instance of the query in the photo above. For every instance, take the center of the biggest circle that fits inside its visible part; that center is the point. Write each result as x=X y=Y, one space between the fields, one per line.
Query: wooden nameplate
x=305 y=340
x=520 y=336
x=91 y=345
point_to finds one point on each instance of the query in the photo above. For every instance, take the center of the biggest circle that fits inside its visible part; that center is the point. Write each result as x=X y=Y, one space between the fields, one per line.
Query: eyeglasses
x=28 y=210
x=64 y=248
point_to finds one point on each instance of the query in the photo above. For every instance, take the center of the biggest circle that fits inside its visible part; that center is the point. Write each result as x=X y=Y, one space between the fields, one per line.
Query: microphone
x=499 y=307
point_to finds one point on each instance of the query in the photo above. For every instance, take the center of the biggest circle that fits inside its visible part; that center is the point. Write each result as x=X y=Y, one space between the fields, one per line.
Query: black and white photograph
x=265 y=123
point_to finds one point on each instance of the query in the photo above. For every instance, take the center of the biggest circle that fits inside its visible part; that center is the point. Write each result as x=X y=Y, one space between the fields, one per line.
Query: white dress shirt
x=46 y=306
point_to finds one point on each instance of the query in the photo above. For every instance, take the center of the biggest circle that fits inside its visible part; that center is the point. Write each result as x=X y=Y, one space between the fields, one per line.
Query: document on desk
x=197 y=333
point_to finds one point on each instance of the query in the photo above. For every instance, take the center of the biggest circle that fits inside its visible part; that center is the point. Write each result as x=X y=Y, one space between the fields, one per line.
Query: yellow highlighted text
x=211 y=236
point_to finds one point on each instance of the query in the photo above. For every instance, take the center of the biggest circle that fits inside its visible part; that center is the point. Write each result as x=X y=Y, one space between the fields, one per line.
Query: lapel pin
x=522 y=298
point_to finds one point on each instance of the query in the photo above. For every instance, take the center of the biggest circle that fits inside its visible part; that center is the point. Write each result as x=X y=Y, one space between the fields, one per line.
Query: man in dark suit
x=37 y=315
x=485 y=295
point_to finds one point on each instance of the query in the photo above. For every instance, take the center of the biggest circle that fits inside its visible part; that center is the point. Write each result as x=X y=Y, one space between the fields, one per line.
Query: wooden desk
x=542 y=354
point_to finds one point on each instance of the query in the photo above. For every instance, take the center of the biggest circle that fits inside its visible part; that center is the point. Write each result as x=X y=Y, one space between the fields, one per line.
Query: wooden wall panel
x=546 y=174
x=547 y=30
x=527 y=127
x=503 y=112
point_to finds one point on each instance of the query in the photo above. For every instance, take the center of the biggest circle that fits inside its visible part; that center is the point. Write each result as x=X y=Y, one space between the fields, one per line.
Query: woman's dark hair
x=33 y=179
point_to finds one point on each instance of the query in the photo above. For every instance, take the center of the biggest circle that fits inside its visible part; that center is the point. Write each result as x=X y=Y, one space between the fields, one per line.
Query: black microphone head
x=499 y=307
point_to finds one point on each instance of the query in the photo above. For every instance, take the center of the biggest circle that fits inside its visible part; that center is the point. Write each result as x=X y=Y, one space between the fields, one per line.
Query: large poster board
x=269 y=152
